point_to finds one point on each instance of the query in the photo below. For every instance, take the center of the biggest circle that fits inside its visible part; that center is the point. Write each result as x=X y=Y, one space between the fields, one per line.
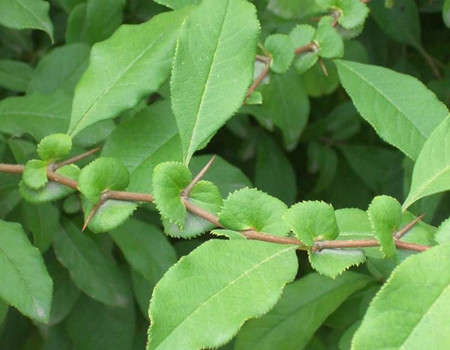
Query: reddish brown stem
x=197 y=178
x=404 y=230
x=311 y=47
x=258 y=80
x=11 y=168
x=249 y=234
x=76 y=158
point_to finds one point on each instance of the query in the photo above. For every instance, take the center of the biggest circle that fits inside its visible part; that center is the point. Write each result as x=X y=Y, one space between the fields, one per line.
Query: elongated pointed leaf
x=94 y=21
x=140 y=143
x=401 y=21
x=37 y=115
x=286 y=104
x=411 y=310
x=25 y=283
x=196 y=306
x=389 y=102
x=146 y=248
x=90 y=269
x=303 y=307
x=15 y=75
x=114 y=326
x=21 y=14
x=60 y=69
x=214 y=59
x=432 y=169
x=109 y=85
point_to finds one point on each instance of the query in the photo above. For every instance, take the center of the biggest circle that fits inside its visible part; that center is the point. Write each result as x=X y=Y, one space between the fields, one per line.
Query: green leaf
x=169 y=179
x=21 y=14
x=351 y=13
x=394 y=111
x=412 y=308
x=228 y=233
x=278 y=179
x=316 y=83
x=95 y=273
x=302 y=35
x=224 y=175
x=286 y=104
x=26 y=284
x=65 y=293
x=197 y=296
x=443 y=232
x=372 y=164
x=322 y=160
x=114 y=326
x=37 y=115
x=281 y=50
x=333 y=262
x=254 y=99
x=142 y=289
x=35 y=174
x=109 y=85
x=15 y=75
x=52 y=190
x=94 y=21
x=446 y=13
x=312 y=221
x=204 y=195
x=222 y=68
x=109 y=215
x=100 y=175
x=140 y=143
x=54 y=147
x=145 y=248
x=60 y=69
x=293 y=9
x=42 y=220
x=400 y=22
x=252 y=209
x=301 y=310
x=328 y=40
x=176 y=4
x=385 y=214
x=431 y=172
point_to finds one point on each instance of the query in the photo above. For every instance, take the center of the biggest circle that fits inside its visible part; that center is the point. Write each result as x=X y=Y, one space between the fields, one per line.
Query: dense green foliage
x=329 y=125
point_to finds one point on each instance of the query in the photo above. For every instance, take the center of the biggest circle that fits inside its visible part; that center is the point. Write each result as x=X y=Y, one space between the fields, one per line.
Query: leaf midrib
x=43 y=24
x=205 y=85
x=118 y=77
x=385 y=97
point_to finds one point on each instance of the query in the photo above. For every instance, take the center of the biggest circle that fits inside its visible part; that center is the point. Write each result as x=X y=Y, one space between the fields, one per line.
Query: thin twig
x=311 y=47
x=76 y=158
x=130 y=196
x=63 y=180
x=263 y=59
x=322 y=65
x=11 y=168
x=197 y=178
x=94 y=209
x=249 y=234
x=258 y=80
x=400 y=233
